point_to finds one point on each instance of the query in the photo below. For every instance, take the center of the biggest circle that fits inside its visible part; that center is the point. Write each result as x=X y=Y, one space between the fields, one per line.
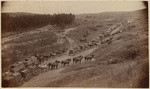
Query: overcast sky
x=75 y=7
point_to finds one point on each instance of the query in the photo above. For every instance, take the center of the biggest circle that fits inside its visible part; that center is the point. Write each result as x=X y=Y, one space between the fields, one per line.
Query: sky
x=75 y=7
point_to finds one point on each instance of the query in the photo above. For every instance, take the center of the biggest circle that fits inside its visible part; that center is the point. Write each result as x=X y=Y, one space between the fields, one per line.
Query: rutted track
x=44 y=78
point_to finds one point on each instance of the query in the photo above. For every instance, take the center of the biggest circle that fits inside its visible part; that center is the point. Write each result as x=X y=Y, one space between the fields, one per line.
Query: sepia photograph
x=74 y=44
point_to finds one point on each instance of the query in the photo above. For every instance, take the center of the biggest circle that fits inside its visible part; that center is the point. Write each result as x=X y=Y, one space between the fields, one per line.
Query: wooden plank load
x=17 y=67
x=31 y=61
x=27 y=62
x=12 y=80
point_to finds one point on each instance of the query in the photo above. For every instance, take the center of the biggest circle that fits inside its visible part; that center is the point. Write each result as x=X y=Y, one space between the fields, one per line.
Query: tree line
x=15 y=23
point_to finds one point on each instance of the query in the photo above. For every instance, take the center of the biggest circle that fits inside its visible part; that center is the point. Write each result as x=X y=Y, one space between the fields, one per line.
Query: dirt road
x=45 y=78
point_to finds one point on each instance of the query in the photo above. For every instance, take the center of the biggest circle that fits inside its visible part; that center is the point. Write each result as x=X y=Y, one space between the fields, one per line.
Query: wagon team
x=34 y=63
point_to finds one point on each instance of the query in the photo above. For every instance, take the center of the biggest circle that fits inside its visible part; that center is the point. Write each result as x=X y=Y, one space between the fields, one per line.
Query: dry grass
x=120 y=64
x=28 y=45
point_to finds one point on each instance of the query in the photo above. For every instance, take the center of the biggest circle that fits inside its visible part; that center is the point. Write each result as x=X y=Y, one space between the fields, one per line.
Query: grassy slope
x=123 y=63
x=29 y=44
x=101 y=22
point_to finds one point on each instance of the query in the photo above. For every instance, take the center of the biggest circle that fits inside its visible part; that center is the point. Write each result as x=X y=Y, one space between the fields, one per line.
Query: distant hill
x=102 y=15
x=108 y=15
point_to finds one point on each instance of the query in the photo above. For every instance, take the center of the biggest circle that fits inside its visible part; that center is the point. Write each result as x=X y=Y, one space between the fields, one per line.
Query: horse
x=94 y=43
x=53 y=65
x=74 y=59
x=46 y=57
x=64 y=50
x=83 y=40
x=81 y=47
x=40 y=58
x=66 y=62
x=36 y=55
x=90 y=45
x=77 y=59
x=86 y=46
x=71 y=52
x=43 y=67
x=89 y=57
x=58 y=52
x=57 y=61
x=52 y=54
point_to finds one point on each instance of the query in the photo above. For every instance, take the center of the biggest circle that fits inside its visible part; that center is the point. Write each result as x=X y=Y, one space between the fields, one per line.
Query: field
x=121 y=63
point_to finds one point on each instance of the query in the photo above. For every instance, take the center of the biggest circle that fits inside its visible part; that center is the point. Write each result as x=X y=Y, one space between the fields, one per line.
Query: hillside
x=22 y=45
x=122 y=63
x=102 y=21
x=110 y=15
x=120 y=54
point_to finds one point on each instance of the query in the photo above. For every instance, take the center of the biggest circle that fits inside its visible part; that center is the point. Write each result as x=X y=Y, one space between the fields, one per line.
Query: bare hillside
x=22 y=45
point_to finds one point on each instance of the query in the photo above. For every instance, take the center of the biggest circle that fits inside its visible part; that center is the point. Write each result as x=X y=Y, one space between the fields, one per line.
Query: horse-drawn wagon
x=16 y=67
x=30 y=61
x=12 y=80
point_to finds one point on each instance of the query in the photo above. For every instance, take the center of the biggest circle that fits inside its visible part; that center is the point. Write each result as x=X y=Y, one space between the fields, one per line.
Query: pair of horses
x=43 y=67
x=66 y=62
x=42 y=57
x=53 y=65
x=77 y=59
x=61 y=51
x=83 y=40
x=93 y=43
x=86 y=58
x=89 y=57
